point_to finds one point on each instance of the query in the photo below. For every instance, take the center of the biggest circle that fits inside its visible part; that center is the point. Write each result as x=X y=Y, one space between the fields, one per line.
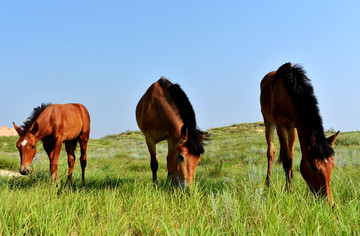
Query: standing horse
x=54 y=124
x=288 y=104
x=164 y=113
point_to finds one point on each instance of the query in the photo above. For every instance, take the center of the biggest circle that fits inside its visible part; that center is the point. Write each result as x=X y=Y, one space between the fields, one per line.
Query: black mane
x=301 y=91
x=194 y=142
x=34 y=115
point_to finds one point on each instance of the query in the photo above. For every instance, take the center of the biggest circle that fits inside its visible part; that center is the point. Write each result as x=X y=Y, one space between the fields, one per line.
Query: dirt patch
x=260 y=130
x=9 y=173
x=6 y=131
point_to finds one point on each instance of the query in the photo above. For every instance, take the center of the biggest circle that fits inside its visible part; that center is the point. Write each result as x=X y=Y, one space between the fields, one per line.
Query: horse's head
x=186 y=160
x=27 y=147
x=317 y=171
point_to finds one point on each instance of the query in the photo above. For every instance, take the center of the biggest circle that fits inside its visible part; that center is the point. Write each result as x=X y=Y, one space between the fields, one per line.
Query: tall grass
x=229 y=195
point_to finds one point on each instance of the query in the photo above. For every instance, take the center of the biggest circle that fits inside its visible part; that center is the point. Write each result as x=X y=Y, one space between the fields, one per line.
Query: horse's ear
x=35 y=128
x=205 y=136
x=312 y=142
x=184 y=133
x=17 y=128
x=332 y=138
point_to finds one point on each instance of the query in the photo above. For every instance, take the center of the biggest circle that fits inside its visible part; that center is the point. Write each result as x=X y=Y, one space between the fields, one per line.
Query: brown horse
x=165 y=113
x=54 y=124
x=288 y=104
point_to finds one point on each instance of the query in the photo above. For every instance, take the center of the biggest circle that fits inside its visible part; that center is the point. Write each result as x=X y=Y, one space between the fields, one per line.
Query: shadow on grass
x=41 y=179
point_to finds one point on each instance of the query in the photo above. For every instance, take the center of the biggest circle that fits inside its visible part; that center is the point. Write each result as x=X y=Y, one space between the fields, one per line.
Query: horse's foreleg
x=54 y=160
x=153 y=162
x=286 y=155
x=292 y=137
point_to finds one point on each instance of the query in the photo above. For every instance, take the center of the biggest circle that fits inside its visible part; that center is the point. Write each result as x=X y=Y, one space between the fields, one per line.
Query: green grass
x=229 y=195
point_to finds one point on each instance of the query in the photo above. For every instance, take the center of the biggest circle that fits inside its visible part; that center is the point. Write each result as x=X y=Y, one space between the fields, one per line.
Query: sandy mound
x=9 y=173
x=6 y=131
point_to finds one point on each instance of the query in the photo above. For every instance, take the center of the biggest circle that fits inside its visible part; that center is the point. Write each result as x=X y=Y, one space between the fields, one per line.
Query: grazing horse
x=164 y=113
x=54 y=124
x=288 y=104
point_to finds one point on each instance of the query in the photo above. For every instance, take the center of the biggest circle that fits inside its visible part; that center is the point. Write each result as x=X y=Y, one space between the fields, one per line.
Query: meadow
x=229 y=196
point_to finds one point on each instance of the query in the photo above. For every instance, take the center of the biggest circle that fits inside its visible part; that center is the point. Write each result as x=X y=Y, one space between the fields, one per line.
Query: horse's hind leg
x=83 y=139
x=70 y=148
x=269 y=132
x=153 y=162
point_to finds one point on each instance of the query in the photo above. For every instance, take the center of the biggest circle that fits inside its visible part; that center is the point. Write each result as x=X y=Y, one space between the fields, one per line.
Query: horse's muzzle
x=23 y=171
x=180 y=183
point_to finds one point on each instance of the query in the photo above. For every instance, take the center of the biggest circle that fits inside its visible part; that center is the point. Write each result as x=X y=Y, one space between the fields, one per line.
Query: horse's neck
x=44 y=130
x=303 y=134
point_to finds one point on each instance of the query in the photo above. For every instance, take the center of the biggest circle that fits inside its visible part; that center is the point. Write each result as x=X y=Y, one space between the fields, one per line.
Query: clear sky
x=105 y=54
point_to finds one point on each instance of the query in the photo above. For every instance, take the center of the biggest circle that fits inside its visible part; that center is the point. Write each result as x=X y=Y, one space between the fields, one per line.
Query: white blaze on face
x=23 y=143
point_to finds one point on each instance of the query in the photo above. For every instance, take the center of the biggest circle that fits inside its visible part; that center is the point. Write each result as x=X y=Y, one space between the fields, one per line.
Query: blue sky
x=105 y=54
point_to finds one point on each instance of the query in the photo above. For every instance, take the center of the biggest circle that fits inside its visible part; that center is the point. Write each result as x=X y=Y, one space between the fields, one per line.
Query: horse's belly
x=157 y=133
x=72 y=135
x=72 y=128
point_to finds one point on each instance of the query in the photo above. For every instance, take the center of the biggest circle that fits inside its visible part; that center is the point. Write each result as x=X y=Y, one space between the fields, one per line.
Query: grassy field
x=228 y=198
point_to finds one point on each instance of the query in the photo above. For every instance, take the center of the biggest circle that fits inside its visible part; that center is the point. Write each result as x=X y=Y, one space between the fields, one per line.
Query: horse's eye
x=314 y=168
x=181 y=158
x=33 y=146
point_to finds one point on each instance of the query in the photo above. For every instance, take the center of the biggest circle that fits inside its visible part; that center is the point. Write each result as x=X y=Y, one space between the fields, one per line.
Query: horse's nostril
x=23 y=172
